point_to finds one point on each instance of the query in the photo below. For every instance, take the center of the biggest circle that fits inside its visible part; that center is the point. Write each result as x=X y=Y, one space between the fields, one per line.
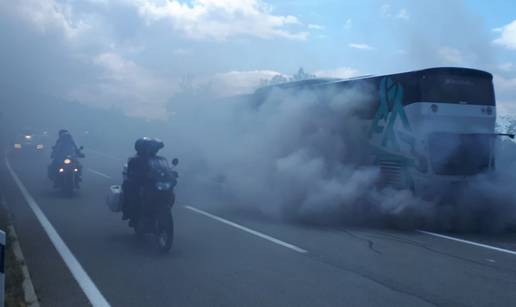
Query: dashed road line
x=248 y=230
x=498 y=249
x=99 y=173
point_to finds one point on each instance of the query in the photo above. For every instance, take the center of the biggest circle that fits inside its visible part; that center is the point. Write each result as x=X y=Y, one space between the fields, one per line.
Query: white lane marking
x=498 y=249
x=99 y=173
x=248 y=230
x=88 y=287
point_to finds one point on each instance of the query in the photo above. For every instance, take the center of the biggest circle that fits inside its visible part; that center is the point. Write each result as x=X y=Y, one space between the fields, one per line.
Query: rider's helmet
x=155 y=145
x=148 y=146
x=140 y=145
x=62 y=132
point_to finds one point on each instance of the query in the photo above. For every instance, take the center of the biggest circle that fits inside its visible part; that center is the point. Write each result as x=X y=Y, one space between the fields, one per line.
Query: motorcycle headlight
x=17 y=146
x=67 y=161
x=28 y=137
x=61 y=170
x=39 y=146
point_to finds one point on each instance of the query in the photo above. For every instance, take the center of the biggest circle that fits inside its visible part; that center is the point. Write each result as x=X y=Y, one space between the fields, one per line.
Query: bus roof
x=316 y=82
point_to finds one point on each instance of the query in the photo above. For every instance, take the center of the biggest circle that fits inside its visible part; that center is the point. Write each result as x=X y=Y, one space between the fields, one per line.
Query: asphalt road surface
x=80 y=254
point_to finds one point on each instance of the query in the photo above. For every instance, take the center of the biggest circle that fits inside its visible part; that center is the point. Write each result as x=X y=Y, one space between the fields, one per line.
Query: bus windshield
x=460 y=154
x=455 y=88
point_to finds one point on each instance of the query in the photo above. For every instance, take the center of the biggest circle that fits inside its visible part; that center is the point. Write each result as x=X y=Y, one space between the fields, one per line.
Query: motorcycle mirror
x=175 y=161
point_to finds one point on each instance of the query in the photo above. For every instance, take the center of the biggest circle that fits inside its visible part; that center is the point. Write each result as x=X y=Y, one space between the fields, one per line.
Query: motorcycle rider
x=136 y=175
x=65 y=146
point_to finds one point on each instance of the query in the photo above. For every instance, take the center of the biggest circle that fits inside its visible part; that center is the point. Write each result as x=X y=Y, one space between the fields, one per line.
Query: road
x=228 y=258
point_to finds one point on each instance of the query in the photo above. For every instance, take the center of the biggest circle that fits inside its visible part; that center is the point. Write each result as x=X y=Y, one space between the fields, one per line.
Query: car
x=28 y=142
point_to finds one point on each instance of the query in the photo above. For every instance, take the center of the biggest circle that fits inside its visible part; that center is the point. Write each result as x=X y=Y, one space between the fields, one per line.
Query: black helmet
x=155 y=145
x=148 y=146
x=140 y=144
x=62 y=132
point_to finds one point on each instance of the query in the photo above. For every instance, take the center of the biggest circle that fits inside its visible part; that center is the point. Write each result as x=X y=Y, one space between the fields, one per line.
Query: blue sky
x=135 y=54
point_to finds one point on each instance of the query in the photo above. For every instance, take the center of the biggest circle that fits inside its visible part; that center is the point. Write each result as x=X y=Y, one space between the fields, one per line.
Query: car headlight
x=17 y=146
x=28 y=137
x=67 y=161
x=39 y=146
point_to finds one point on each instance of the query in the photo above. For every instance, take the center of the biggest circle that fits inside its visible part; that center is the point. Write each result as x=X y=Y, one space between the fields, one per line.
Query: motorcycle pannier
x=114 y=198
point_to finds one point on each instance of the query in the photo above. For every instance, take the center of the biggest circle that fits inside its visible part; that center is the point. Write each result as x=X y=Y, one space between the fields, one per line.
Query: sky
x=136 y=55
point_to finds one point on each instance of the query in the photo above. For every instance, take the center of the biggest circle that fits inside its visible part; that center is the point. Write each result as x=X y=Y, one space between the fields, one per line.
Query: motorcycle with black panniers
x=156 y=198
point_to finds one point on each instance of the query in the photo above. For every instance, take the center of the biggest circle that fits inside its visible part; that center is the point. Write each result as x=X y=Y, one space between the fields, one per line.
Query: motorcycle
x=68 y=174
x=154 y=214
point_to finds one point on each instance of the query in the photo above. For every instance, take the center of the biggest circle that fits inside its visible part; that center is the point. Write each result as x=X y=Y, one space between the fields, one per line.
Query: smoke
x=303 y=156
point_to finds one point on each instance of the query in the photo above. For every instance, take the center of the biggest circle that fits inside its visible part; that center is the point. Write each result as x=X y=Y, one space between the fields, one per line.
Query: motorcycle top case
x=113 y=199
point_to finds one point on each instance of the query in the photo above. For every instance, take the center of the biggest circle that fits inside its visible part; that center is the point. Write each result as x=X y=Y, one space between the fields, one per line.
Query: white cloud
x=46 y=16
x=223 y=19
x=360 y=46
x=450 y=55
x=341 y=73
x=125 y=84
x=507 y=37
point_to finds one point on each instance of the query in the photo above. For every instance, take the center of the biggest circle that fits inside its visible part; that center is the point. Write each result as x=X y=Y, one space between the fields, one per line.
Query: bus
x=428 y=129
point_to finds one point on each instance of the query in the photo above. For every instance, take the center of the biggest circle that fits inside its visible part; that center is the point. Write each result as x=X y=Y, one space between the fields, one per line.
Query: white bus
x=428 y=129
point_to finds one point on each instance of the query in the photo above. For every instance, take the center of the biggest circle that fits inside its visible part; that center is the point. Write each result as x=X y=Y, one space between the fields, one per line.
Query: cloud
x=223 y=19
x=360 y=46
x=451 y=55
x=507 y=37
x=46 y=16
x=341 y=73
x=239 y=82
x=124 y=84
